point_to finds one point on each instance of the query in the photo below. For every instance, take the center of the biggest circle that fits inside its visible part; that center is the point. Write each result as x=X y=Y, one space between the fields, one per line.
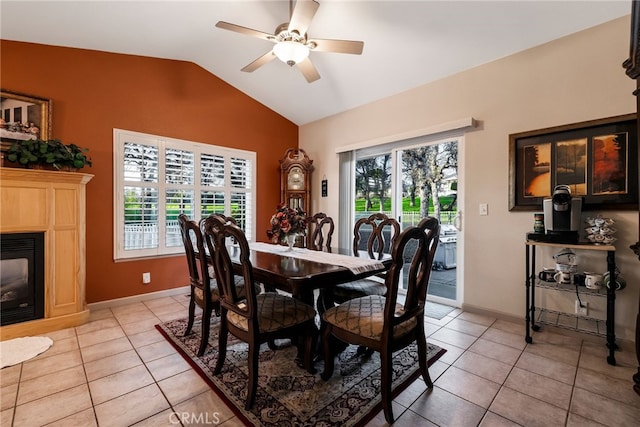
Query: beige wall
x=573 y=79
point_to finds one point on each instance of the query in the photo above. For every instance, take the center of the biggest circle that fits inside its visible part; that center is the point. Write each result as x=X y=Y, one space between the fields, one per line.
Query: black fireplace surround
x=21 y=277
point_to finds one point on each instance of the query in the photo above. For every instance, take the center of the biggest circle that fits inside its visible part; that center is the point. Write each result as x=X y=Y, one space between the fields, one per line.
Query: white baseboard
x=184 y=290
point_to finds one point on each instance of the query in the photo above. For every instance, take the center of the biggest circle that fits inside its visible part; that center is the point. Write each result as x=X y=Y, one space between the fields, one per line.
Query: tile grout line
x=144 y=363
x=573 y=385
x=84 y=369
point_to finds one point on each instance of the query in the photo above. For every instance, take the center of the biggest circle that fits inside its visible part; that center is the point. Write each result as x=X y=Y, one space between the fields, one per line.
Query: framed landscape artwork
x=597 y=159
x=23 y=117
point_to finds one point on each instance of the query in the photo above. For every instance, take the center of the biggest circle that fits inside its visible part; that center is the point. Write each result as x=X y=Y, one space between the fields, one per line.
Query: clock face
x=295 y=180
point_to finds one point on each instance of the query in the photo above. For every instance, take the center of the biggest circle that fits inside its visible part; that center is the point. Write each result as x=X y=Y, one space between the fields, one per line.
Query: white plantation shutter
x=141 y=217
x=212 y=179
x=157 y=178
x=212 y=170
x=140 y=209
x=241 y=196
x=179 y=177
x=179 y=166
x=177 y=201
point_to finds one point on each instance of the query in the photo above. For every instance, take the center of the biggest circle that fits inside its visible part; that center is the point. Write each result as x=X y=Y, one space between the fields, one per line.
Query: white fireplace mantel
x=52 y=202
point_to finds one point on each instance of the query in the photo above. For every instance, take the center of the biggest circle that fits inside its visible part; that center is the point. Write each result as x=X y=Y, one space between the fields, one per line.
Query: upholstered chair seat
x=360 y=288
x=274 y=312
x=365 y=317
x=215 y=293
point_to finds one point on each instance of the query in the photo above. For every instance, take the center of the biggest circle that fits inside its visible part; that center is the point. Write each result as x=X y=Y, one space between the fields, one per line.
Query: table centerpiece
x=286 y=224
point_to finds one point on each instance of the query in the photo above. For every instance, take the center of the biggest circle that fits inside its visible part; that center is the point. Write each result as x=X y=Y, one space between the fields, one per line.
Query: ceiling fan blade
x=267 y=57
x=308 y=70
x=302 y=15
x=338 y=46
x=244 y=30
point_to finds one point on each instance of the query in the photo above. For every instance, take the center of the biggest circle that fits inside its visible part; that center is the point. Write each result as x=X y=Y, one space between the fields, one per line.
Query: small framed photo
x=23 y=117
x=597 y=159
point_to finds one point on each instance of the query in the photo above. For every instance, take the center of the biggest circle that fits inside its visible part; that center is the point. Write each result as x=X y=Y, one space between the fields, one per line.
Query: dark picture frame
x=597 y=159
x=23 y=117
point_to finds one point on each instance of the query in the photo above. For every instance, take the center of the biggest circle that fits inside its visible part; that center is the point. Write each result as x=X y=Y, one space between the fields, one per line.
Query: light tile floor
x=117 y=370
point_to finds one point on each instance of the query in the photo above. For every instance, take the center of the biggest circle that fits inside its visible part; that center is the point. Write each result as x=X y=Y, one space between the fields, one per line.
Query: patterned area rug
x=288 y=395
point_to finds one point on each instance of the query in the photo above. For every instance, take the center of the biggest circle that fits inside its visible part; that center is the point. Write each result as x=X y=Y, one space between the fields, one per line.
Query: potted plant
x=53 y=153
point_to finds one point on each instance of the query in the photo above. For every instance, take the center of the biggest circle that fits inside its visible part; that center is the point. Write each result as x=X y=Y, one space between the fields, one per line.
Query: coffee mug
x=592 y=280
x=547 y=275
x=563 y=277
x=621 y=282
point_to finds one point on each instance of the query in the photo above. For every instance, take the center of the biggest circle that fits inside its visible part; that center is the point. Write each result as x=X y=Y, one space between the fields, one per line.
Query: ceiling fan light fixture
x=291 y=52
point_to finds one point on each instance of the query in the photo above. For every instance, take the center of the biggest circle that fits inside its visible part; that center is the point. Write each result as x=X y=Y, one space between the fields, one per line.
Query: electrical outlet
x=582 y=311
x=146 y=278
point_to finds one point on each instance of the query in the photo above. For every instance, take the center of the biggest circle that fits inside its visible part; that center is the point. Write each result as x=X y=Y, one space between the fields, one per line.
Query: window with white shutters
x=157 y=179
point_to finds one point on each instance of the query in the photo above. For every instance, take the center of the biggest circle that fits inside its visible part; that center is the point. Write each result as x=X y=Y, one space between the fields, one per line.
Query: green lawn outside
x=406 y=207
x=173 y=210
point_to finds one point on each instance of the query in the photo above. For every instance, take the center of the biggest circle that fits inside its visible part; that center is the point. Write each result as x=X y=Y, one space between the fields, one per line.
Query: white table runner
x=355 y=264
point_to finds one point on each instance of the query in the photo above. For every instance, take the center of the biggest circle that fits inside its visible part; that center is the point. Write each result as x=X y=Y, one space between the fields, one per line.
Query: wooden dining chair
x=380 y=322
x=376 y=235
x=320 y=232
x=254 y=318
x=204 y=291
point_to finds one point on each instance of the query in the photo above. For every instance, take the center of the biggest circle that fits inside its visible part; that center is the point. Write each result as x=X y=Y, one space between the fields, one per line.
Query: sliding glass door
x=409 y=183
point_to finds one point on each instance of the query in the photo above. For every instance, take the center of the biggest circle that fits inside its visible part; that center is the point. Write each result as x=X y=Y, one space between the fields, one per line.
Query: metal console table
x=530 y=248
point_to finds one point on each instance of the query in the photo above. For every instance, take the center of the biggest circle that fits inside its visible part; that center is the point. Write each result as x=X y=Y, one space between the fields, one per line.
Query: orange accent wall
x=94 y=92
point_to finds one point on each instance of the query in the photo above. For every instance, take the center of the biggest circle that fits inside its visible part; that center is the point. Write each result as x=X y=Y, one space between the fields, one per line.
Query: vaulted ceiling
x=406 y=43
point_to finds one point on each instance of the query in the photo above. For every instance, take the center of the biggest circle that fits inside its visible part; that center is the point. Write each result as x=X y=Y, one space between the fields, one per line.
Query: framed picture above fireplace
x=23 y=117
x=597 y=159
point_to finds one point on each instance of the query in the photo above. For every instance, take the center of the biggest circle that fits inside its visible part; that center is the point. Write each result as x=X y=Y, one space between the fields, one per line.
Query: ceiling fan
x=292 y=46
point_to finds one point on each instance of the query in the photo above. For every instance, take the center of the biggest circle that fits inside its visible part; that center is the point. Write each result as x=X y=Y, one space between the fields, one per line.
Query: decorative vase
x=291 y=240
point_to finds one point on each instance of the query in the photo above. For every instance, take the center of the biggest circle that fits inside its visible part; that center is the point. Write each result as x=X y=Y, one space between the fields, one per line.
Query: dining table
x=301 y=271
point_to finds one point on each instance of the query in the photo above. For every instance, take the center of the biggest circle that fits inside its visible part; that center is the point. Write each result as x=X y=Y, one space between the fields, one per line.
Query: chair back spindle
x=418 y=270
x=320 y=232
x=217 y=234
x=376 y=244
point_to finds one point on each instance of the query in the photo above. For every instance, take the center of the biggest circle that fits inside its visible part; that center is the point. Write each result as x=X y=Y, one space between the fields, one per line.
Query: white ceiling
x=406 y=43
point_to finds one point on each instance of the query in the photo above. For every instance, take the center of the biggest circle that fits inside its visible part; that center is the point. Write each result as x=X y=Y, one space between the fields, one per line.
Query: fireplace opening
x=21 y=277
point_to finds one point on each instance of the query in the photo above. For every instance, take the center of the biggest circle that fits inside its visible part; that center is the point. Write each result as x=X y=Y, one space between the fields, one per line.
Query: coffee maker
x=562 y=215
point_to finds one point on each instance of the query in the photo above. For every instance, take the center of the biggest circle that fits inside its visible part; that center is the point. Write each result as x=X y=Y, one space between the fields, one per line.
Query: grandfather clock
x=295 y=179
